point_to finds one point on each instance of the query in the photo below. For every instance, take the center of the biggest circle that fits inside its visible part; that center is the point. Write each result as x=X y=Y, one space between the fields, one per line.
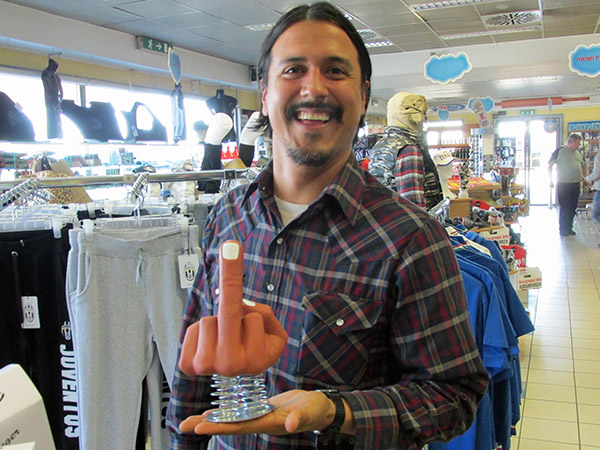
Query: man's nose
x=314 y=84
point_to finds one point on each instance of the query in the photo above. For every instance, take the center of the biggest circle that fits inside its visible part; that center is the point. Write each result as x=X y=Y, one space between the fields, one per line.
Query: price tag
x=188 y=266
x=529 y=278
x=31 y=313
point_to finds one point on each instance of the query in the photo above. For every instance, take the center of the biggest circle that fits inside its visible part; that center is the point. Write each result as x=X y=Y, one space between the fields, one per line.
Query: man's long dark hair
x=321 y=11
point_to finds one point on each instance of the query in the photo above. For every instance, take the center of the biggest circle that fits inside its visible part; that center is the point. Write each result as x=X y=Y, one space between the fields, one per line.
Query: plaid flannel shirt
x=368 y=288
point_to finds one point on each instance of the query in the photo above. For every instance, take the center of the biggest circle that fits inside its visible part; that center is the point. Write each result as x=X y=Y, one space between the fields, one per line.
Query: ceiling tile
x=373 y=8
x=463 y=13
x=410 y=38
x=187 y=21
x=156 y=8
x=57 y=6
x=564 y=31
x=507 y=6
x=404 y=29
x=104 y=16
x=280 y=5
x=247 y=15
x=386 y=20
x=423 y=46
x=572 y=22
x=579 y=11
x=466 y=42
x=510 y=37
x=113 y=2
x=383 y=50
x=549 y=4
x=138 y=27
x=449 y=26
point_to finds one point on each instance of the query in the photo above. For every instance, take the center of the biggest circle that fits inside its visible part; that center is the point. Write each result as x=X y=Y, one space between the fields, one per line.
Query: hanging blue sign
x=447 y=68
x=585 y=60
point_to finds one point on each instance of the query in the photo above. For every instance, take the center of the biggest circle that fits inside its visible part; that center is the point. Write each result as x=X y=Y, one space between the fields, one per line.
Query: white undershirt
x=289 y=211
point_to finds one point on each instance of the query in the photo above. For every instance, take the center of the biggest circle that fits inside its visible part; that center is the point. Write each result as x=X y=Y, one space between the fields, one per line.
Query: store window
x=159 y=103
x=28 y=92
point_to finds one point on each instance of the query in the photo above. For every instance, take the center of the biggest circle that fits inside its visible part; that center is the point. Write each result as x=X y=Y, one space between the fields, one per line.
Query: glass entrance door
x=535 y=142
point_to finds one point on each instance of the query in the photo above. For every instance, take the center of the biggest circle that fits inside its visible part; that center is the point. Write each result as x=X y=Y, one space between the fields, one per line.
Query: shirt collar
x=347 y=188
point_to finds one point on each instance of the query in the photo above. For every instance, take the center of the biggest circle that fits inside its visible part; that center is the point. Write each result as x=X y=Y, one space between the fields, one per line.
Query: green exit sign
x=528 y=112
x=151 y=44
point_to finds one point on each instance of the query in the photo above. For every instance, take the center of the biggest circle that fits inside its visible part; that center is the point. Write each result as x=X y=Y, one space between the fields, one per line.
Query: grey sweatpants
x=126 y=307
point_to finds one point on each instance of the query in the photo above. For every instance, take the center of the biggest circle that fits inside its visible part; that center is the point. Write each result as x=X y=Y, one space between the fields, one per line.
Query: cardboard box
x=23 y=417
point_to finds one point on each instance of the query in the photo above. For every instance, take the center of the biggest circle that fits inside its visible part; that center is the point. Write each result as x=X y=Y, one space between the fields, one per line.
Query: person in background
x=594 y=178
x=570 y=170
x=366 y=284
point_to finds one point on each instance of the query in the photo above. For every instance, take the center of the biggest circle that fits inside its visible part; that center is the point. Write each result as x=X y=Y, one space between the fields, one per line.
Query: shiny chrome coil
x=240 y=398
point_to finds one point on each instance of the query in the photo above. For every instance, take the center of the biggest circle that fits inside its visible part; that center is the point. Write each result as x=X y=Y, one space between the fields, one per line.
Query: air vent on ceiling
x=512 y=19
x=368 y=35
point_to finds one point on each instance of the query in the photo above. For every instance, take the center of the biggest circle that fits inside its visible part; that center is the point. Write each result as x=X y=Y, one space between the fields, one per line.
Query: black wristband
x=340 y=412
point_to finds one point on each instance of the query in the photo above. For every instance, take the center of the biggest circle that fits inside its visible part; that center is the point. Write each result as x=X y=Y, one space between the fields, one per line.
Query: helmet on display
x=407 y=110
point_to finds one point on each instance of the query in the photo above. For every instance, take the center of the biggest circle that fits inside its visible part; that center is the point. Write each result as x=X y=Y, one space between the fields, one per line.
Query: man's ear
x=365 y=87
x=263 y=95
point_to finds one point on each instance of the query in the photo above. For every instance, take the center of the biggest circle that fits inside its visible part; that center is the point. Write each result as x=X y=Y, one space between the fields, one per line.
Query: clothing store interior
x=124 y=123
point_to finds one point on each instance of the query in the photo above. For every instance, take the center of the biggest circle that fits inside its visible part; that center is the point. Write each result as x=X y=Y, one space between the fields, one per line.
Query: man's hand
x=244 y=338
x=295 y=411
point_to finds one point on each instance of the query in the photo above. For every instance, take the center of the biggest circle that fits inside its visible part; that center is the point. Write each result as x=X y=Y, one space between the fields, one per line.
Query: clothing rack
x=130 y=178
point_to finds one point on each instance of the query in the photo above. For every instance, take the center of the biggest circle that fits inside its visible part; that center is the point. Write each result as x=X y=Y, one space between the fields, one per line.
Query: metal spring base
x=240 y=398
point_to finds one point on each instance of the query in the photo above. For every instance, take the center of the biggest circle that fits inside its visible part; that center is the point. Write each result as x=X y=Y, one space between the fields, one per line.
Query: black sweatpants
x=33 y=263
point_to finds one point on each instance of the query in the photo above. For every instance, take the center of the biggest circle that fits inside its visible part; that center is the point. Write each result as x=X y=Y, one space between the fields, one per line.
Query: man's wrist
x=339 y=412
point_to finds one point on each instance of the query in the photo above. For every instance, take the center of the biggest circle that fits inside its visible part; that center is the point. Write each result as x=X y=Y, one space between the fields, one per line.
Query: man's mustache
x=334 y=111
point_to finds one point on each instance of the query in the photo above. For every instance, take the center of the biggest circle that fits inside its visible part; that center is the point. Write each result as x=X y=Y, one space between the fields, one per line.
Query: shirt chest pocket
x=339 y=333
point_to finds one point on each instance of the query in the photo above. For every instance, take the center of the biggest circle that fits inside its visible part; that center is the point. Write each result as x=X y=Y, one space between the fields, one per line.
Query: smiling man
x=364 y=283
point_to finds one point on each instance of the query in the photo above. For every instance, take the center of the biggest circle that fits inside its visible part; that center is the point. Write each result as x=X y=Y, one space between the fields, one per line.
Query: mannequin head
x=407 y=110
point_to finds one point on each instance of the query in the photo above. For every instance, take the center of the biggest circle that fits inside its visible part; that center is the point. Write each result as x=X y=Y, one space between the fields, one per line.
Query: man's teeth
x=313 y=116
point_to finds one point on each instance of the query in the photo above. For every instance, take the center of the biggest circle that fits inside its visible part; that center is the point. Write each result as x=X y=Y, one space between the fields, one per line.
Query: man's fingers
x=254 y=343
x=205 y=358
x=231 y=275
x=188 y=349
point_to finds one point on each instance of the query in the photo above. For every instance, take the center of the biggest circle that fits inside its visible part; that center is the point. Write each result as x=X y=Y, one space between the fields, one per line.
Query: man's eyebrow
x=327 y=59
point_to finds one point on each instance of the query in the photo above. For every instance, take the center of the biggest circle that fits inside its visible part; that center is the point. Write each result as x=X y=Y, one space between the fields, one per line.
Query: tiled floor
x=561 y=359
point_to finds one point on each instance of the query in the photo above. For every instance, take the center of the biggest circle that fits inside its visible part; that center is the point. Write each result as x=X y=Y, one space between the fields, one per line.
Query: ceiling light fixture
x=491 y=32
x=378 y=44
x=261 y=26
x=449 y=4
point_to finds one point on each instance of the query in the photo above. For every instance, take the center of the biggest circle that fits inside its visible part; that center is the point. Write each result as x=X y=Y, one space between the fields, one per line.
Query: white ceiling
x=513 y=65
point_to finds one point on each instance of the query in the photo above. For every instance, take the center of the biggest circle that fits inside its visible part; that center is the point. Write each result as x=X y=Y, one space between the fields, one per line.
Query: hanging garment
x=98 y=122
x=178 y=114
x=14 y=125
x=33 y=265
x=126 y=305
x=53 y=95
x=157 y=132
x=211 y=161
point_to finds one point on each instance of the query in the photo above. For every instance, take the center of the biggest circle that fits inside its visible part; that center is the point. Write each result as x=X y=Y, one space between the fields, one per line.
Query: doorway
x=535 y=139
